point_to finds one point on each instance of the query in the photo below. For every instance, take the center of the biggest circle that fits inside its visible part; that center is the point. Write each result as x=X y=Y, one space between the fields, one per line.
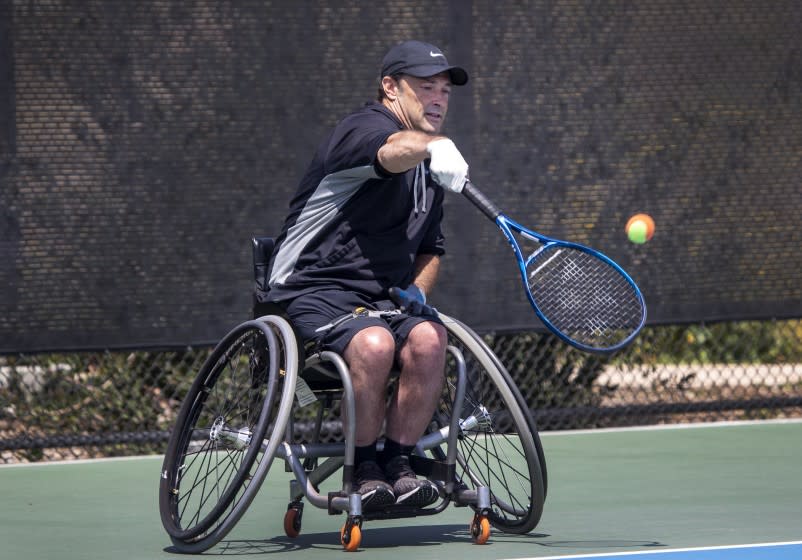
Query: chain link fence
x=93 y=404
x=126 y=128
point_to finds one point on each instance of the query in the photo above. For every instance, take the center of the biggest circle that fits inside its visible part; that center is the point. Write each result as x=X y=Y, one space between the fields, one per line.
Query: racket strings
x=584 y=297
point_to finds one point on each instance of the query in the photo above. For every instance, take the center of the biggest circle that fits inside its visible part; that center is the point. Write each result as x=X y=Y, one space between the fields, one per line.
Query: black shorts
x=312 y=311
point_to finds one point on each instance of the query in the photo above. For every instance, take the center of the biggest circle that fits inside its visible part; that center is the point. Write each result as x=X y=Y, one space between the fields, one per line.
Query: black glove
x=412 y=301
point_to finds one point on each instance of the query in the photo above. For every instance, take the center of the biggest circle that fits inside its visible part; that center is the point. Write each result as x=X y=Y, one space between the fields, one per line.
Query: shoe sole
x=377 y=499
x=421 y=496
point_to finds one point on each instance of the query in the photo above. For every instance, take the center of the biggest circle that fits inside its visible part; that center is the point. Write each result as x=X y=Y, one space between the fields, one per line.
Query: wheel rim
x=215 y=459
x=491 y=451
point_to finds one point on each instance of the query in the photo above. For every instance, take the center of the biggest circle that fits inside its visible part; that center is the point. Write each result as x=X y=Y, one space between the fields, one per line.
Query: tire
x=502 y=452
x=218 y=454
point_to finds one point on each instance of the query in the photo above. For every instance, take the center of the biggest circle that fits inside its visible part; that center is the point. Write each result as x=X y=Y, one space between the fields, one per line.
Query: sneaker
x=370 y=482
x=408 y=488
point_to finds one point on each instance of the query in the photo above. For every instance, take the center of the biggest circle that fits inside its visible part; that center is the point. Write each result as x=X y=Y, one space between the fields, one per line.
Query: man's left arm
x=427 y=268
x=412 y=299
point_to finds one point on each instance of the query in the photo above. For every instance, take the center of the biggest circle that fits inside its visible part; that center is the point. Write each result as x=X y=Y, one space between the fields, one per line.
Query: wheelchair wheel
x=229 y=426
x=499 y=446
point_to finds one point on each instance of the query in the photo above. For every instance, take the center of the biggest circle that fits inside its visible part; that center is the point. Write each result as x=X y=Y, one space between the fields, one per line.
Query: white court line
x=553 y=433
x=67 y=462
x=658 y=427
x=666 y=551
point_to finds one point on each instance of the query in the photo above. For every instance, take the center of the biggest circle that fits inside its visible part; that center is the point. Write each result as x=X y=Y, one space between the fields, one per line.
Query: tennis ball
x=640 y=228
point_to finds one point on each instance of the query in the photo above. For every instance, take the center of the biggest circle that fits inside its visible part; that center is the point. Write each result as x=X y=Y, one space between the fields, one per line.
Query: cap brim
x=459 y=77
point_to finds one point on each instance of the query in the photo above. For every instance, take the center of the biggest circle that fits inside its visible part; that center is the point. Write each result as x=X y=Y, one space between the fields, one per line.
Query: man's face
x=423 y=102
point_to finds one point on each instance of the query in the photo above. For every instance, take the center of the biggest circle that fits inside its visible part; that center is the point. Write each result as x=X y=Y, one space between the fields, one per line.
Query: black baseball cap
x=420 y=60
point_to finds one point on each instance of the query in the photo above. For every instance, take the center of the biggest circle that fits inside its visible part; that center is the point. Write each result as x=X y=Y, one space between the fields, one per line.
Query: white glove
x=448 y=167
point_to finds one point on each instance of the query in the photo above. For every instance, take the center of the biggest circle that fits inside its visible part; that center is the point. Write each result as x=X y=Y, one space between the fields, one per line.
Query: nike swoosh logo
x=431 y=53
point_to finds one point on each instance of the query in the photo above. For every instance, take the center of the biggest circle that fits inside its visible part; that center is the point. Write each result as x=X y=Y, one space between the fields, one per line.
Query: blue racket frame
x=508 y=226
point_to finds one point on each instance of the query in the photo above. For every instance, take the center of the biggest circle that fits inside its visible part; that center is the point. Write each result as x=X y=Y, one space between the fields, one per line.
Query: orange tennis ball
x=640 y=228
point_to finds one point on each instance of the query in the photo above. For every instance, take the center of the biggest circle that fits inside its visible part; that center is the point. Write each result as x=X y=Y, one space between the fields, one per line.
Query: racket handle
x=481 y=201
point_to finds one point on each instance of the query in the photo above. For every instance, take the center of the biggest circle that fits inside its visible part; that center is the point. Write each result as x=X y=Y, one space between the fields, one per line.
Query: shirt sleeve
x=356 y=142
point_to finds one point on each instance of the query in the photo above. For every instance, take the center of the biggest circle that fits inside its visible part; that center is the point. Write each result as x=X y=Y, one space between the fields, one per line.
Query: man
x=365 y=219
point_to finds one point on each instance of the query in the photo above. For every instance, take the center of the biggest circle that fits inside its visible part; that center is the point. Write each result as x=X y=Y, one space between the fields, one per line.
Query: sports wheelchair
x=261 y=396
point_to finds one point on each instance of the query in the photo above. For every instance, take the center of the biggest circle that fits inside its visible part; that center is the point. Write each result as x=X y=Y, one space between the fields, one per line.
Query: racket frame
x=508 y=226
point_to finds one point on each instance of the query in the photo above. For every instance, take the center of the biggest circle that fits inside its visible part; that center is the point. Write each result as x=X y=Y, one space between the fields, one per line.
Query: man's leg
x=420 y=384
x=422 y=360
x=368 y=347
x=370 y=356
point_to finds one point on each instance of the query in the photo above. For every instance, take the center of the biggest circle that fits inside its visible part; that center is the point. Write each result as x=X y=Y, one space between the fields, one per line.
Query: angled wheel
x=229 y=426
x=499 y=446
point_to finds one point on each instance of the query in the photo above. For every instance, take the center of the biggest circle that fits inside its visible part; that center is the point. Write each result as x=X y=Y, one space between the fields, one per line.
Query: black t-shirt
x=352 y=225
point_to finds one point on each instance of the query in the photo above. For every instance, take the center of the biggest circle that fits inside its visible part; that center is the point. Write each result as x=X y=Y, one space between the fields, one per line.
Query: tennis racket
x=580 y=294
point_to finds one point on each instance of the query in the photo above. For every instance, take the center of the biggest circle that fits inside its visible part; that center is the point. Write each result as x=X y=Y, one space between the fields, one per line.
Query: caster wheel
x=350 y=537
x=292 y=522
x=480 y=529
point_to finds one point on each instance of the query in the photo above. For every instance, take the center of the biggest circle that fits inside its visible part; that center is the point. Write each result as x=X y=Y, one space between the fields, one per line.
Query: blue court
x=767 y=551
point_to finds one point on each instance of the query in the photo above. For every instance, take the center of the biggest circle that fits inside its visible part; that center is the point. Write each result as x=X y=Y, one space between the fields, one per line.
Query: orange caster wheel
x=292 y=521
x=350 y=536
x=480 y=529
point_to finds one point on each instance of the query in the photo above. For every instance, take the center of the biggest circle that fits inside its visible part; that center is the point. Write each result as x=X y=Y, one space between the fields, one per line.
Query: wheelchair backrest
x=262 y=251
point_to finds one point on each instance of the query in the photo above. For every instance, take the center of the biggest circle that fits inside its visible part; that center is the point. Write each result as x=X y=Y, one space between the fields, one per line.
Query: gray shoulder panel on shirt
x=322 y=207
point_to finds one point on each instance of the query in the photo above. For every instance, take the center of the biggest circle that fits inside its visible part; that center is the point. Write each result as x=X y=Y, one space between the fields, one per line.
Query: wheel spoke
x=496 y=446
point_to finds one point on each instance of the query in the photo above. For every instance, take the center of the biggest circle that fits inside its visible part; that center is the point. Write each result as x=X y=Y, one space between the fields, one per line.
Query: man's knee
x=373 y=345
x=429 y=334
x=427 y=341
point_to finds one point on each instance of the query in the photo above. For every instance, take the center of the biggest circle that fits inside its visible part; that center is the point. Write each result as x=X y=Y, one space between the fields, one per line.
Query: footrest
x=395 y=512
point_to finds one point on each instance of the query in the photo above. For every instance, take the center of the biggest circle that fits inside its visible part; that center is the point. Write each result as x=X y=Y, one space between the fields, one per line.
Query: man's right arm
x=405 y=149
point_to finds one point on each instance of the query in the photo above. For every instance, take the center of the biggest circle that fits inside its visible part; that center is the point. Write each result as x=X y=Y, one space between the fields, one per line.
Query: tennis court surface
x=730 y=491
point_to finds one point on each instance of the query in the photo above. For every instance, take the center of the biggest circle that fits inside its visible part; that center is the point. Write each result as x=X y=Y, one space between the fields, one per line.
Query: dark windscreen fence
x=142 y=144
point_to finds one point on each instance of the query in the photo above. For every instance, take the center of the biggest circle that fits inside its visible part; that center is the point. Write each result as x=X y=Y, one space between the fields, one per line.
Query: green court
x=625 y=491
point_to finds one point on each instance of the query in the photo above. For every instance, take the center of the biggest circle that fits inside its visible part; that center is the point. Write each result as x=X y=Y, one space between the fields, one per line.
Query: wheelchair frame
x=238 y=417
